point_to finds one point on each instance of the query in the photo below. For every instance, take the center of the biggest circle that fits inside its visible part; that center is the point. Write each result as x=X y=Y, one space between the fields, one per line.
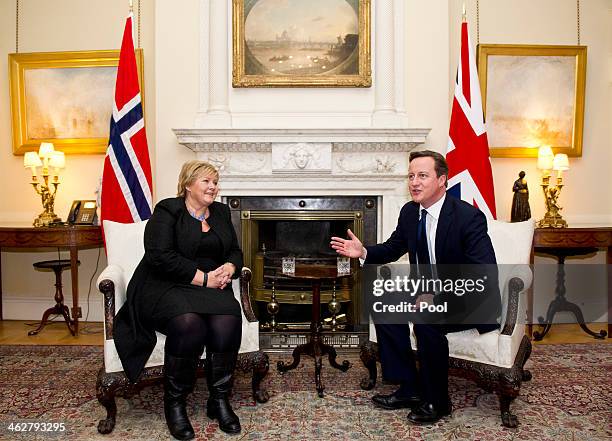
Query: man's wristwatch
x=205 y=280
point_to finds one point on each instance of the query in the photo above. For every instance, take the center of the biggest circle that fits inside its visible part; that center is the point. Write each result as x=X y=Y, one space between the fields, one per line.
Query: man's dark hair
x=440 y=165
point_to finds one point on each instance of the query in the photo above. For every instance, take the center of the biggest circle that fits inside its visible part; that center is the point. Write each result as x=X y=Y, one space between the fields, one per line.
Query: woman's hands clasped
x=220 y=277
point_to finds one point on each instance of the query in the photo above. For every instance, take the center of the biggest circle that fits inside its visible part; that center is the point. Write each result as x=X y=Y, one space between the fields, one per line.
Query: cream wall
x=170 y=38
x=59 y=25
x=587 y=195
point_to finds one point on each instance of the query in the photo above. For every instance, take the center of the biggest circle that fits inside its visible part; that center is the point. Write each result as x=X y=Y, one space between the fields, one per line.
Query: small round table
x=315 y=346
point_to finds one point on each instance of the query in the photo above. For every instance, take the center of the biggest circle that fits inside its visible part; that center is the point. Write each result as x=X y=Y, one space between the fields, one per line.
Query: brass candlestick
x=47 y=196
x=552 y=218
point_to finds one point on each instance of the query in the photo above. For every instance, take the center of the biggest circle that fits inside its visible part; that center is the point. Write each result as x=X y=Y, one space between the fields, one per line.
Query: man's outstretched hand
x=351 y=247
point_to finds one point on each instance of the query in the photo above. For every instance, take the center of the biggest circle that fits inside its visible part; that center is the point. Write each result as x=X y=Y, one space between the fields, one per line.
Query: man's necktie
x=422 y=249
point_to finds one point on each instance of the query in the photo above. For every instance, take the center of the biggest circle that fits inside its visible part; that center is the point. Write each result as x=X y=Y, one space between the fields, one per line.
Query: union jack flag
x=126 y=181
x=470 y=177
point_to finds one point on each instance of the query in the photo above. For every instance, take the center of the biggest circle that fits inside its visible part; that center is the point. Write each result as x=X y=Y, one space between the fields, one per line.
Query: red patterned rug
x=569 y=398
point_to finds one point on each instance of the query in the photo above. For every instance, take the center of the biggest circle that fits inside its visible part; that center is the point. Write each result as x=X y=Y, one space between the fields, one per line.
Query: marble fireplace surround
x=311 y=162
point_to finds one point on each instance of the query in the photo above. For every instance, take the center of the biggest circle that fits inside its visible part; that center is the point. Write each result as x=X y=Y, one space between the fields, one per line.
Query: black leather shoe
x=427 y=413
x=392 y=402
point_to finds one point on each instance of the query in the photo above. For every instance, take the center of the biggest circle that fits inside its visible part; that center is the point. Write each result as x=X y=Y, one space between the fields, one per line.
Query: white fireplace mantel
x=315 y=162
x=200 y=140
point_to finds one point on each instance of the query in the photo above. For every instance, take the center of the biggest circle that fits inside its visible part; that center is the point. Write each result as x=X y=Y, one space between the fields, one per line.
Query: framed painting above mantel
x=533 y=95
x=65 y=98
x=301 y=43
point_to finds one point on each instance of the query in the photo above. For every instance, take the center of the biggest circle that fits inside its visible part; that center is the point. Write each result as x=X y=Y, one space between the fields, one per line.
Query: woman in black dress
x=182 y=288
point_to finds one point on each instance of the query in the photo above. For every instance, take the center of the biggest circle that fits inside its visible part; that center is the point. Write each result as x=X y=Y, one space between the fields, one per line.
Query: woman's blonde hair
x=191 y=171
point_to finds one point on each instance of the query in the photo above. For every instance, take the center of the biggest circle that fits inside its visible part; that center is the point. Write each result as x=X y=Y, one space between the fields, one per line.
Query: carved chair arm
x=245 y=299
x=516 y=287
x=110 y=280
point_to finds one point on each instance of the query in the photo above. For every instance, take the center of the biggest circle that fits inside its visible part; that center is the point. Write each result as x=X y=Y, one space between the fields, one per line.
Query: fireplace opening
x=270 y=228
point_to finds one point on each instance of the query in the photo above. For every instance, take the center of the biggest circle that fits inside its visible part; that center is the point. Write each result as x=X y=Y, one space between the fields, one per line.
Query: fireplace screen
x=273 y=228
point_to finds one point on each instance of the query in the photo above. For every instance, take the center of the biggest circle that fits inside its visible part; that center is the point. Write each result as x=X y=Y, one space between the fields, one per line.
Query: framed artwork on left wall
x=65 y=98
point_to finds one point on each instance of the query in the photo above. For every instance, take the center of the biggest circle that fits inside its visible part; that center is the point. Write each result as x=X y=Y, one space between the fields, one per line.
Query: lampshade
x=57 y=160
x=545 y=158
x=560 y=162
x=45 y=150
x=31 y=159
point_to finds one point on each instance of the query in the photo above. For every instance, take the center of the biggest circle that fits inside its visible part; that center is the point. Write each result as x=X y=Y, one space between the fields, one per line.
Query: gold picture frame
x=65 y=98
x=532 y=95
x=305 y=57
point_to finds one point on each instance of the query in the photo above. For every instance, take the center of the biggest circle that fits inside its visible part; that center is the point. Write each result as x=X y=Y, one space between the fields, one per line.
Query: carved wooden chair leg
x=527 y=344
x=105 y=391
x=368 y=355
x=508 y=418
x=261 y=365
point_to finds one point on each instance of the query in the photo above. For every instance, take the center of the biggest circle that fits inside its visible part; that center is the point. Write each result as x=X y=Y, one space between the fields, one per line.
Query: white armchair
x=125 y=248
x=494 y=359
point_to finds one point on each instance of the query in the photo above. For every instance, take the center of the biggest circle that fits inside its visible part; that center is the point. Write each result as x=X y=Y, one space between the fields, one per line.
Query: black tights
x=187 y=334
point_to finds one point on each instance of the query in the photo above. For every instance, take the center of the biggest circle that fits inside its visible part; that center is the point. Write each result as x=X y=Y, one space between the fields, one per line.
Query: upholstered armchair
x=125 y=248
x=495 y=359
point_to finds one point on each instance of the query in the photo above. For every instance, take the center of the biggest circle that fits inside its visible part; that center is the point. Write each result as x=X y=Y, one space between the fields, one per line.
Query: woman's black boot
x=219 y=373
x=179 y=379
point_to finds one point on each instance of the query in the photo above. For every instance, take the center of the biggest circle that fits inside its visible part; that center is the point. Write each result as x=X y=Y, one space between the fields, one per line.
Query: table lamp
x=547 y=162
x=46 y=158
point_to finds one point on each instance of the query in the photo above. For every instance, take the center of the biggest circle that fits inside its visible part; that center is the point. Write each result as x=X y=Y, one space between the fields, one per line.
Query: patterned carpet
x=569 y=398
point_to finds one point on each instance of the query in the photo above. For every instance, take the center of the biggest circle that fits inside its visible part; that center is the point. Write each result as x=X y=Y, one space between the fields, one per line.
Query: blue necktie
x=422 y=249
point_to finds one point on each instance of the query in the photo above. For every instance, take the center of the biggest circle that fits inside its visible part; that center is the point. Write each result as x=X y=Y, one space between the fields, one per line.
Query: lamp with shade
x=46 y=158
x=548 y=161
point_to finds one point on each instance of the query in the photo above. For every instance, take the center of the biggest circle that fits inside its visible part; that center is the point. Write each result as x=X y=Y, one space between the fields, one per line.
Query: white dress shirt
x=431 y=222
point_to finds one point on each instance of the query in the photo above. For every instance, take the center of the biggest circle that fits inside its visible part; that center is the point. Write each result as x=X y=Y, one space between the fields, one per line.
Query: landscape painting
x=65 y=98
x=533 y=96
x=301 y=43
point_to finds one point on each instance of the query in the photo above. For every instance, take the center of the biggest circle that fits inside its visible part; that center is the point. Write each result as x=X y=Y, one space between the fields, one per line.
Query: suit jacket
x=171 y=241
x=461 y=239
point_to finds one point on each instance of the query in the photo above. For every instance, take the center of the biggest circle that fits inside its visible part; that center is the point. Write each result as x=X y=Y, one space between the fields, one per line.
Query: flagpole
x=132 y=6
x=463 y=17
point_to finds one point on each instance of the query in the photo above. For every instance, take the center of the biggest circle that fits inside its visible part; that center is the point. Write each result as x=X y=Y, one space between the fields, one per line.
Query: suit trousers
x=399 y=364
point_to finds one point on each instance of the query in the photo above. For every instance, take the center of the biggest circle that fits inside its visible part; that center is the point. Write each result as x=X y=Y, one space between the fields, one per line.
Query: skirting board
x=32 y=308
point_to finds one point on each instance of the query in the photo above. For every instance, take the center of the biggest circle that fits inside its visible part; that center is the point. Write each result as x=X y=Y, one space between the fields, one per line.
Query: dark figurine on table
x=520 y=202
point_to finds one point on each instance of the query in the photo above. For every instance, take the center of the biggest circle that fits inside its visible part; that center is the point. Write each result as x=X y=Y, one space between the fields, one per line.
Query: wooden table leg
x=74 y=277
x=530 y=293
x=1 y=316
x=609 y=261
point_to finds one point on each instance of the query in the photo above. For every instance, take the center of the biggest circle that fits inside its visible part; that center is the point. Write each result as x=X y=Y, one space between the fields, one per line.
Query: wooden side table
x=561 y=243
x=315 y=346
x=73 y=237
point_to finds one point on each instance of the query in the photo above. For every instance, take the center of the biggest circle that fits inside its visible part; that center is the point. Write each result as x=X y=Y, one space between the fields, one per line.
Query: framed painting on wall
x=533 y=95
x=65 y=98
x=301 y=43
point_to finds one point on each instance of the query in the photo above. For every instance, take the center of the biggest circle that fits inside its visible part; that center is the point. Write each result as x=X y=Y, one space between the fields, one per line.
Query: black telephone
x=82 y=213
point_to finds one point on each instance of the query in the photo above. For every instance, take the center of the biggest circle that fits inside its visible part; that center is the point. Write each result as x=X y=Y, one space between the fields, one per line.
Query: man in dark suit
x=434 y=228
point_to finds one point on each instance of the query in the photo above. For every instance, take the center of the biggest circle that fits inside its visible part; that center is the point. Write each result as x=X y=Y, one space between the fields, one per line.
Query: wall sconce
x=547 y=162
x=47 y=157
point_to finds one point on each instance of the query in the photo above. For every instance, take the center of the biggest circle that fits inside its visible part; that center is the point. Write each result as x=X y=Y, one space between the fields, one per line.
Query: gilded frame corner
x=21 y=62
x=240 y=79
x=486 y=51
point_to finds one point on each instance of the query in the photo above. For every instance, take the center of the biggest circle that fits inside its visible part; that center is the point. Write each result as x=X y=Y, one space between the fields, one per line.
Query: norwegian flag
x=470 y=177
x=126 y=181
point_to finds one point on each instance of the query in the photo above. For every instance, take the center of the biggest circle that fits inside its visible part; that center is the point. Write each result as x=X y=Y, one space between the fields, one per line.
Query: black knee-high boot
x=179 y=380
x=219 y=373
